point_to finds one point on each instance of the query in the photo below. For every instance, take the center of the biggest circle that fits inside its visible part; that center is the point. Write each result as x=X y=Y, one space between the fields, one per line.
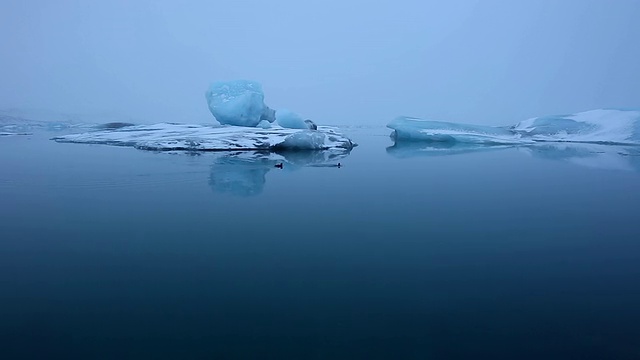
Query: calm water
x=116 y=253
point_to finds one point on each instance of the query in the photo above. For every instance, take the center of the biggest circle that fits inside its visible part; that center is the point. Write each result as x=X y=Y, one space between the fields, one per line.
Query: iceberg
x=606 y=126
x=238 y=102
x=603 y=126
x=414 y=129
x=17 y=125
x=184 y=137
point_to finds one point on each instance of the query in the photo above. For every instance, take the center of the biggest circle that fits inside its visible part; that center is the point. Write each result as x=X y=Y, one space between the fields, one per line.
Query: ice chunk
x=607 y=126
x=238 y=102
x=414 y=129
x=304 y=140
x=291 y=120
x=166 y=137
x=595 y=126
x=264 y=124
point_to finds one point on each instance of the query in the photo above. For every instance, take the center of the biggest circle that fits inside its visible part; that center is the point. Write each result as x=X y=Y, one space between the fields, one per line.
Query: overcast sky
x=336 y=62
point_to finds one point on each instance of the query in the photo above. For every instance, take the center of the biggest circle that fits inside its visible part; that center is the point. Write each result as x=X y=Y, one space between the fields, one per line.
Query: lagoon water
x=402 y=253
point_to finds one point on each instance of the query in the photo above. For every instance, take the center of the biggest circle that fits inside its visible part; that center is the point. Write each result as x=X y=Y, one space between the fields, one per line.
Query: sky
x=335 y=62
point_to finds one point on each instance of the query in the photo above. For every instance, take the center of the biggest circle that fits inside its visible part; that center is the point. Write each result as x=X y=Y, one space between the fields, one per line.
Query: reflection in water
x=407 y=149
x=243 y=173
x=606 y=157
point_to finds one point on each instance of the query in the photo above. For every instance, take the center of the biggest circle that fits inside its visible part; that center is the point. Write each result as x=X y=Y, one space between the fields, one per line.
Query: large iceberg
x=239 y=102
x=604 y=126
x=246 y=125
x=183 y=137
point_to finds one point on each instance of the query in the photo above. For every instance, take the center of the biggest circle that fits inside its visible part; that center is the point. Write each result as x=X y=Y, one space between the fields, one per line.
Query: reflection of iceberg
x=241 y=174
x=607 y=157
x=596 y=126
x=409 y=149
x=598 y=156
x=244 y=173
x=163 y=137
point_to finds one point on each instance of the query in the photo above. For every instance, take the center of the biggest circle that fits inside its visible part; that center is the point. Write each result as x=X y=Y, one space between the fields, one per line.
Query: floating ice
x=291 y=120
x=264 y=124
x=238 y=102
x=165 y=137
x=606 y=126
x=595 y=126
x=413 y=129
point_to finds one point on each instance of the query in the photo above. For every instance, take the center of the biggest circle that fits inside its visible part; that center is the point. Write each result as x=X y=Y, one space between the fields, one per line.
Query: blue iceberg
x=603 y=126
x=414 y=129
x=239 y=102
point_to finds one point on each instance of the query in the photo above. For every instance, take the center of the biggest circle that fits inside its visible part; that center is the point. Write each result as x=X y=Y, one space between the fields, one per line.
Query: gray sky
x=346 y=62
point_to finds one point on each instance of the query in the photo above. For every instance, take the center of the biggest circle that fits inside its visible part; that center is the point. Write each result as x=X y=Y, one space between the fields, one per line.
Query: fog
x=336 y=62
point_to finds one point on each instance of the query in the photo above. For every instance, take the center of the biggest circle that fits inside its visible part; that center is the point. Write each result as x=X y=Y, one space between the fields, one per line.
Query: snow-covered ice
x=604 y=126
x=414 y=129
x=611 y=126
x=167 y=136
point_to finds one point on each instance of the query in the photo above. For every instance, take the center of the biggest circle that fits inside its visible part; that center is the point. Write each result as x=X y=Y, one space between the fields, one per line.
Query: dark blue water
x=116 y=253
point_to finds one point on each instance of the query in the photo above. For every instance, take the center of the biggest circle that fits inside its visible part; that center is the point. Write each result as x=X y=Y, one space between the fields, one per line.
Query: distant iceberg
x=183 y=137
x=603 y=126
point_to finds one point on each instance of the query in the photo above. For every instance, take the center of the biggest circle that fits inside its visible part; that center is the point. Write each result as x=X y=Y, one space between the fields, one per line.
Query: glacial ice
x=238 y=102
x=166 y=137
x=414 y=129
x=289 y=119
x=605 y=126
x=596 y=126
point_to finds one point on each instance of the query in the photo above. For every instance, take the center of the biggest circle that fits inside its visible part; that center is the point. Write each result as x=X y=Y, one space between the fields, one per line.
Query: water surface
x=405 y=251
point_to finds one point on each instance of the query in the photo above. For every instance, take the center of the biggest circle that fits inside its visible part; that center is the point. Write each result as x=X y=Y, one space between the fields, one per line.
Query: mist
x=336 y=62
